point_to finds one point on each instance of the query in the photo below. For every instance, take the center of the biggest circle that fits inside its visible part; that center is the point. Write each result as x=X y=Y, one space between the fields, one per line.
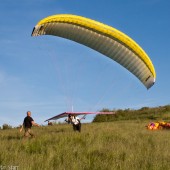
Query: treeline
x=145 y=113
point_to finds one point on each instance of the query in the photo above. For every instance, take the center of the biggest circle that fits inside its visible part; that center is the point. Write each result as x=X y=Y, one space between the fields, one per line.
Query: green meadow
x=118 y=145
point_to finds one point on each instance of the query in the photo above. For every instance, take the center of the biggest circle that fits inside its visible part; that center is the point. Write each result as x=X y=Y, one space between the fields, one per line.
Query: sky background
x=49 y=75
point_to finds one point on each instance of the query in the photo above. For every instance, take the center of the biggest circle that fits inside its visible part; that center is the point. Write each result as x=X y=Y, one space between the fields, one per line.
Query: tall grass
x=100 y=146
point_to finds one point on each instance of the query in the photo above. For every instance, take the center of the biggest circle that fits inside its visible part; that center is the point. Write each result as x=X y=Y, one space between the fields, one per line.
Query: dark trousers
x=77 y=127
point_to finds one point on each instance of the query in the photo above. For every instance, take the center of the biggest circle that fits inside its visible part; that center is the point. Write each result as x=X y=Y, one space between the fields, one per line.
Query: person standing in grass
x=75 y=121
x=27 y=124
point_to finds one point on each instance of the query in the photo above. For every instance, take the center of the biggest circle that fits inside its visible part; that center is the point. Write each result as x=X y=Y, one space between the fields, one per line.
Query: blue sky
x=48 y=75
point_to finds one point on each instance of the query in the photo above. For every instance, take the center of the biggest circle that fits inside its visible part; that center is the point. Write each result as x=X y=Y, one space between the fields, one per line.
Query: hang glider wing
x=65 y=114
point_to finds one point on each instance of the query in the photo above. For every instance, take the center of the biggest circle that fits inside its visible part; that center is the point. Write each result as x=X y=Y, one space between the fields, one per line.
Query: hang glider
x=65 y=114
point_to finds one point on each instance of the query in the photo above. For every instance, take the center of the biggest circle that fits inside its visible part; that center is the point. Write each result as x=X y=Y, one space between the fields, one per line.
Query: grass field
x=100 y=146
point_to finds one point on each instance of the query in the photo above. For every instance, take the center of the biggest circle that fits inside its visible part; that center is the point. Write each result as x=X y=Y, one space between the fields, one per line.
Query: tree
x=6 y=126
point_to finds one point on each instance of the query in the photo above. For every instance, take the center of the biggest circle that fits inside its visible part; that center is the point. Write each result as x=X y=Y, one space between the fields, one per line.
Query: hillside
x=118 y=145
x=145 y=113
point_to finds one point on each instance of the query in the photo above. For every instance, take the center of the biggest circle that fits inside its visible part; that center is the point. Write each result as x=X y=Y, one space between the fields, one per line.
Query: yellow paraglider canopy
x=102 y=38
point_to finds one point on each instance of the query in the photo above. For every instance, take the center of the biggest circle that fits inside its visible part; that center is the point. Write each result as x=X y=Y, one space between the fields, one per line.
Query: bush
x=6 y=126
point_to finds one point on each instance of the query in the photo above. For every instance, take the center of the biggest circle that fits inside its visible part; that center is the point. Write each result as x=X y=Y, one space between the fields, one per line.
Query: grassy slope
x=100 y=146
x=145 y=113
